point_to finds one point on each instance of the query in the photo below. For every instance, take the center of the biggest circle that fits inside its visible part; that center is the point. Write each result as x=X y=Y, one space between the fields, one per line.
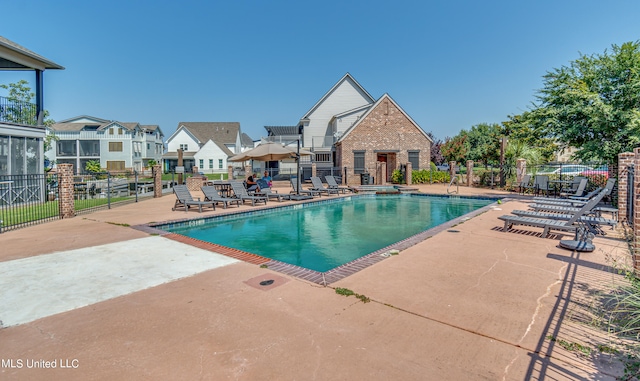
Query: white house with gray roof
x=118 y=145
x=205 y=145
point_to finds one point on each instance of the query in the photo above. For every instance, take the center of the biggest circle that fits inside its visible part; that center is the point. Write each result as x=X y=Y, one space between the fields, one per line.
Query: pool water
x=322 y=236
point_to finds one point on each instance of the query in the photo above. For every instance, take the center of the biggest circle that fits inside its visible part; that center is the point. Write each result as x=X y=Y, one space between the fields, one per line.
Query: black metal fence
x=31 y=199
x=18 y=112
x=27 y=200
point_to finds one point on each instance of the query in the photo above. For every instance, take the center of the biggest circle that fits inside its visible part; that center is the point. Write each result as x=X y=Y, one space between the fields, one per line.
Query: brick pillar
x=469 y=173
x=636 y=212
x=521 y=169
x=194 y=169
x=247 y=171
x=314 y=170
x=157 y=180
x=452 y=169
x=381 y=176
x=230 y=172
x=65 y=189
x=409 y=180
x=625 y=159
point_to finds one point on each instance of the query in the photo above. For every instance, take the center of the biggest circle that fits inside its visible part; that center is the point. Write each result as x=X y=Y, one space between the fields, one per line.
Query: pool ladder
x=454 y=179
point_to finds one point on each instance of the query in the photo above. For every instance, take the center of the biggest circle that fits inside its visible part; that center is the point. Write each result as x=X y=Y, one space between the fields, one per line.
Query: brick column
x=469 y=173
x=65 y=188
x=452 y=169
x=195 y=170
x=636 y=212
x=314 y=170
x=157 y=180
x=247 y=172
x=521 y=169
x=625 y=159
x=381 y=173
x=230 y=172
x=408 y=180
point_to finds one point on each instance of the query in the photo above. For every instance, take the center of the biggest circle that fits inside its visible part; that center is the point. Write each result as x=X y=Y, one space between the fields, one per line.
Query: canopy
x=268 y=152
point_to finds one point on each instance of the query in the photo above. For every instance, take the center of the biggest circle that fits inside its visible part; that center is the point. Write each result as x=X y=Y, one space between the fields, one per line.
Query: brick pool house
x=384 y=134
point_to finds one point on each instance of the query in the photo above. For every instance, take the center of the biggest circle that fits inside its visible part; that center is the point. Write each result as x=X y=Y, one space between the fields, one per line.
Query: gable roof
x=346 y=77
x=364 y=116
x=17 y=57
x=76 y=118
x=246 y=140
x=219 y=132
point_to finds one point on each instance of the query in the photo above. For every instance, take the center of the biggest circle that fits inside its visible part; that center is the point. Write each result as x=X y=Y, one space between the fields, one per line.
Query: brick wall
x=386 y=129
x=625 y=160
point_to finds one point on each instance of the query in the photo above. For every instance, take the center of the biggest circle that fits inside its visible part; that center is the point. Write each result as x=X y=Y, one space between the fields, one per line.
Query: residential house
x=351 y=132
x=117 y=145
x=205 y=145
x=22 y=132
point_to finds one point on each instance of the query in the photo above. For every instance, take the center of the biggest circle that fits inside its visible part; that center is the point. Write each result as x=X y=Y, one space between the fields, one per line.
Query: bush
x=397 y=177
x=423 y=176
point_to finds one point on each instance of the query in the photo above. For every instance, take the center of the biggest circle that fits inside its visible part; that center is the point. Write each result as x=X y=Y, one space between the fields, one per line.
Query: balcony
x=322 y=143
x=17 y=112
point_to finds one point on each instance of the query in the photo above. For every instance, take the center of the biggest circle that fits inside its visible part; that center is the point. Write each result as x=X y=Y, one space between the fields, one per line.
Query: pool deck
x=102 y=300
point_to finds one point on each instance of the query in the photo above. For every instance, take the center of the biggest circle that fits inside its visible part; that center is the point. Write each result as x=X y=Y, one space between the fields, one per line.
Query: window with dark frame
x=358 y=162
x=414 y=159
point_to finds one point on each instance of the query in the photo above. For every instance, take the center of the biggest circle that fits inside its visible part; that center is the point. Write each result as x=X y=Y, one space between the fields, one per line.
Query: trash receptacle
x=364 y=179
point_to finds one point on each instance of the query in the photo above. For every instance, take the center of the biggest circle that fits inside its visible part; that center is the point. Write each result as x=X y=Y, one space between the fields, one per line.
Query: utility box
x=365 y=179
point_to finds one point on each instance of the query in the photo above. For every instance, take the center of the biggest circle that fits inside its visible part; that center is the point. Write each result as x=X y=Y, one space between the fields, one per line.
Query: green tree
x=484 y=143
x=23 y=111
x=527 y=130
x=594 y=103
x=456 y=148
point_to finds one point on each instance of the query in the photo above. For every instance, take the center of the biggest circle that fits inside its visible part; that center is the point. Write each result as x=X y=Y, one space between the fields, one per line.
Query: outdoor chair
x=524 y=184
x=319 y=186
x=268 y=193
x=548 y=224
x=593 y=222
x=185 y=200
x=240 y=192
x=299 y=190
x=212 y=194
x=542 y=184
x=333 y=184
x=575 y=183
x=576 y=192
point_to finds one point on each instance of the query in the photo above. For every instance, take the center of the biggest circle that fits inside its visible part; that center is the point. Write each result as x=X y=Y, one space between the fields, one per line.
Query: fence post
x=408 y=173
x=66 y=206
x=452 y=169
x=625 y=159
x=521 y=170
x=157 y=180
x=229 y=172
x=469 y=173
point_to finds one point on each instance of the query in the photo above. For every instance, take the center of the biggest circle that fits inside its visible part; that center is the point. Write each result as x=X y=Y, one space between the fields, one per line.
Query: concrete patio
x=101 y=300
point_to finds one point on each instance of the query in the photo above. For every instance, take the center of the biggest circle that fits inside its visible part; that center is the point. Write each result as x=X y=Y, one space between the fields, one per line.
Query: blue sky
x=449 y=64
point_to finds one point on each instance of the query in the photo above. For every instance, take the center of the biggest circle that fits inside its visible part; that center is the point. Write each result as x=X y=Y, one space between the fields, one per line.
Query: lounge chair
x=294 y=185
x=212 y=194
x=569 y=201
x=548 y=224
x=333 y=184
x=185 y=200
x=575 y=183
x=594 y=223
x=240 y=192
x=319 y=186
x=575 y=192
x=268 y=193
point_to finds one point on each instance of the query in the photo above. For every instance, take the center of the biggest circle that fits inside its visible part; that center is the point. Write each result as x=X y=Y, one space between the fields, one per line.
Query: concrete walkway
x=470 y=303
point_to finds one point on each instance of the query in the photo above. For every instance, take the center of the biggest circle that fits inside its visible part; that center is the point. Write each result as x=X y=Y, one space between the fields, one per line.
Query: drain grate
x=266 y=282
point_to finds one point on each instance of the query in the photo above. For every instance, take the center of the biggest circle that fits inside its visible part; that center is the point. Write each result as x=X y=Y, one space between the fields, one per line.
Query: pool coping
x=316 y=277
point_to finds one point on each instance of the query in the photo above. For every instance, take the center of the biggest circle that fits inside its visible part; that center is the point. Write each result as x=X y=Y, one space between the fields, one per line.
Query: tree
x=22 y=110
x=456 y=148
x=484 y=143
x=594 y=103
x=526 y=129
x=436 y=154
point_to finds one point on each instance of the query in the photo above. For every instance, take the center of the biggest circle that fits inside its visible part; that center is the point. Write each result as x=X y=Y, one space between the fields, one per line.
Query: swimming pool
x=326 y=234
